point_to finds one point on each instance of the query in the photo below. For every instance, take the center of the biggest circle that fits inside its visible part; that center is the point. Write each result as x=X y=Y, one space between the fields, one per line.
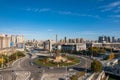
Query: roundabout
x=57 y=61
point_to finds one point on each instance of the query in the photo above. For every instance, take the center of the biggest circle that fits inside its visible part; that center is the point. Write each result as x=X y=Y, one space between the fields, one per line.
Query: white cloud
x=87 y=33
x=77 y=14
x=106 y=9
x=35 y=10
x=117 y=10
x=65 y=12
x=44 y=10
x=61 y=12
x=110 y=6
x=116 y=21
x=50 y=30
x=100 y=0
x=38 y=9
x=118 y=7
x=114 y=4
x=115 y=16
x=28 y=9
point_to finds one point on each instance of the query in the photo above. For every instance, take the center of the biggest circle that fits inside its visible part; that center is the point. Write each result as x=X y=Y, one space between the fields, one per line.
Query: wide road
x=21 y=69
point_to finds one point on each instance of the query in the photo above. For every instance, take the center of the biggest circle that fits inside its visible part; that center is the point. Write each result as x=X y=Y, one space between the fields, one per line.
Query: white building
x=74 y=46
x=107 y=45
x=20 y=41
x=97 y=45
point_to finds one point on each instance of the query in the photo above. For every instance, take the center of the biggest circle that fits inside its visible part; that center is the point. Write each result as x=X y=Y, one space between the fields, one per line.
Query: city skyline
x=43 y=19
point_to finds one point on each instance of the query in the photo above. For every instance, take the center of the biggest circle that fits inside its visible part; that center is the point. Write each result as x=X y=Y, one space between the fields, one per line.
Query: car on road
x=31 y=63
x=70 y=69
x=39 y=67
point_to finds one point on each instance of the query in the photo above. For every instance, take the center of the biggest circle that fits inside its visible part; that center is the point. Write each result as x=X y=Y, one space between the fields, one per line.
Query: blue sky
x=43 y=19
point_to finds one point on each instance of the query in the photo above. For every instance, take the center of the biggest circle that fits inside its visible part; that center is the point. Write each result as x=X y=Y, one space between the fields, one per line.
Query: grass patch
x=48 y=63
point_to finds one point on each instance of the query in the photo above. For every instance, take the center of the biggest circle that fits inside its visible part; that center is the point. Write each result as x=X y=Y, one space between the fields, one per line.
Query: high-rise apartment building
x=48 y=45
x=65 y=39
x=113 y=39
x=4 y=41
x=19 y=39
x=77 y=40
x=7 y=41
x=107 y=39
x=13 y=40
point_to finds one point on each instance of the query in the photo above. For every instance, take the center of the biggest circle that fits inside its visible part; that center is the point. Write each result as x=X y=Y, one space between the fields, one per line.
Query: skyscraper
x=65 y=39
x=113 y=39
x=56 y=38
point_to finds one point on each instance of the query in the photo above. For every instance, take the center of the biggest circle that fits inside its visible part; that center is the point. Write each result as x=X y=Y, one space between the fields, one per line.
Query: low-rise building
x=73 y=46
x=107 y=45
x=97 y=45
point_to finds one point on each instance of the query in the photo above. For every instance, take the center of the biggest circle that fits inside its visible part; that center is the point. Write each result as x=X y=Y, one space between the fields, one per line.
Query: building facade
x=73 y=47
x=4 y=41
x=7 y=41
x=107 y=45
x=48 y=45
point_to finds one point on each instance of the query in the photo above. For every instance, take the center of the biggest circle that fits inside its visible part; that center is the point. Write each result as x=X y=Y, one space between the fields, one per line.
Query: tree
x=79 y=74
x=111 y=56
x=94 y=51
x=74 y=77
x=96 y=66
x=102 y=51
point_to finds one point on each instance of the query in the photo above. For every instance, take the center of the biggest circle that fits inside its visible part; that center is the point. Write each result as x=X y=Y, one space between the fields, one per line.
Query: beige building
x=4 y=41
x=19 y=39
x=7 y=41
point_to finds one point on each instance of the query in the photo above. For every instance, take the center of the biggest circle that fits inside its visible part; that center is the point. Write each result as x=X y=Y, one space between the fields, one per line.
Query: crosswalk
x=22 y=75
